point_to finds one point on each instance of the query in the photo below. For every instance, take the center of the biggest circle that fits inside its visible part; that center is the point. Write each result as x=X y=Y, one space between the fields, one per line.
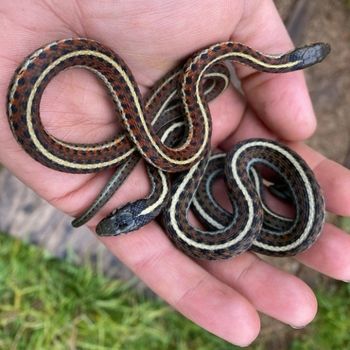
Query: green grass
x=46 y=303
x=50 y=304
x=344 y=223
x=332 y=327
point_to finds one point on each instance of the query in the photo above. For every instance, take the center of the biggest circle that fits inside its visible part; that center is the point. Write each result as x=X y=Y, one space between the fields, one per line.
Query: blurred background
x=62 y=290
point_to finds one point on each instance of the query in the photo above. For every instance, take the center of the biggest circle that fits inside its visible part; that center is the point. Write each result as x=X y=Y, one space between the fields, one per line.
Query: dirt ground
x=329 y=84
x=328 y=21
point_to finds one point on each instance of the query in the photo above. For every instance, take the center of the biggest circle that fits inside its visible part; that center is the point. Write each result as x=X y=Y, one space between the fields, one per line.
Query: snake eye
x=124 y=221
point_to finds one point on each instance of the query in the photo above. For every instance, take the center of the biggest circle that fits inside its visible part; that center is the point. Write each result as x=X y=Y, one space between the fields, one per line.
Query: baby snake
x=177 y=102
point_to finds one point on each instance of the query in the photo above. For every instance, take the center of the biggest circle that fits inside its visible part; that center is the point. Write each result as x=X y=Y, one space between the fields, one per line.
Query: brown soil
x=327 y=21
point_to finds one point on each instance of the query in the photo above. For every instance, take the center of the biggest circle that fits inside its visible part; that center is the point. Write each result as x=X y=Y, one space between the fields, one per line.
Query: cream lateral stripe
x=217 y=155
x=237 y=237
x=161 y=109
x=219 y=226
x=265 y=208
x=171 y=129
x=207 y=217
x=88 y=147
x=207 y=185
x=215 y=75
x=210 y=179
x=172 y=77
x=31 y=131
x=199 y=101
x=160 y=200
x=310 y=200
x=169 y=109
x=239 y=54
x=212 y=86
x=166 y=82
x=209 y=90
x=261 y=63
x=165 y=187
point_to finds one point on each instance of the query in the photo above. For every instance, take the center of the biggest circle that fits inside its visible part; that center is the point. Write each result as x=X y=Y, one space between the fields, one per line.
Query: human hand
x=152 y=37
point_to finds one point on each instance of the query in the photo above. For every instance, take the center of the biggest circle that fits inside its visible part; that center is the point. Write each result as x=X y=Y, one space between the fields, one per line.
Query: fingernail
x=297 y=327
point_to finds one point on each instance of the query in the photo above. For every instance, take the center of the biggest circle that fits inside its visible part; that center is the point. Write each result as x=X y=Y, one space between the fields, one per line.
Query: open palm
x=152 y=37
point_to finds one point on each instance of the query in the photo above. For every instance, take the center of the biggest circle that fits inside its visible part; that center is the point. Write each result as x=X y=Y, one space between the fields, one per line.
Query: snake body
x=244 y=228
x=145 y=124
x=164 y=118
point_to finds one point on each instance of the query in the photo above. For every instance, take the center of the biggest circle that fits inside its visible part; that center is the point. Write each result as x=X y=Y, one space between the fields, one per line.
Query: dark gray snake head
x=115 y=223
x=123 y=220
x=309 y=55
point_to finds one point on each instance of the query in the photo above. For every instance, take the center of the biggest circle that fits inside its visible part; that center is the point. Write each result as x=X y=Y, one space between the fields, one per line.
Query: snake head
x=118 y=222
x=309 y=55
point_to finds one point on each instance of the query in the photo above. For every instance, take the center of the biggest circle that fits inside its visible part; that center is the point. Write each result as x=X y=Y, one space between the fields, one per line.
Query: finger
x=250 y=126
x=281 y=100
x=186 y=286
x=330 y=254
x=272 y=291
x=333 y=178
x=227 y=112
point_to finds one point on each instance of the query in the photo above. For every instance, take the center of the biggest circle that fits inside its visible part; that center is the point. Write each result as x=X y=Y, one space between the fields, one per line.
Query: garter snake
x=230 y=234
x=167 y=114
x=192 y=154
